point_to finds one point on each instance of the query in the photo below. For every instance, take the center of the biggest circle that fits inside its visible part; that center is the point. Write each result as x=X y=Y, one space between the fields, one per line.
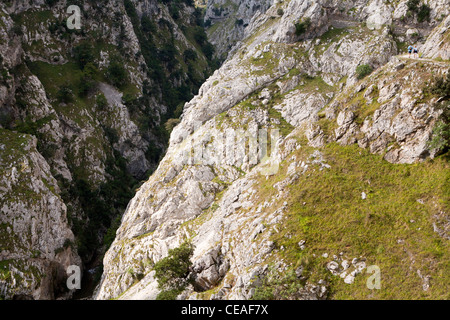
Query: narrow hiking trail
x=407 y=57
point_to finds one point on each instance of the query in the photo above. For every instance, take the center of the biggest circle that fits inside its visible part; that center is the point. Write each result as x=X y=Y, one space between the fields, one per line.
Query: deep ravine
x=89 y=111
x=224 y=149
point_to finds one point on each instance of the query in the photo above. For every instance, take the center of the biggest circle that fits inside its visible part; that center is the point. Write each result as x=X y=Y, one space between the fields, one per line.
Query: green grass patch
x=331 y=36
x=327 y=210
x=311 y=84
x=53 y=76
x=267 y=62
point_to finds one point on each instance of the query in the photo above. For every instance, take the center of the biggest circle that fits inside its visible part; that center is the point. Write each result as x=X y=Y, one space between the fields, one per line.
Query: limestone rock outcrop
x=86 y=139
x=309 y=87
x=37 y=245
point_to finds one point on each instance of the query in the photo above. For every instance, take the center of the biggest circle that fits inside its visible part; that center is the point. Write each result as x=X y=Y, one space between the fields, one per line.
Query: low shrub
x=363 y=71
x=173 y=271
x=302 y=26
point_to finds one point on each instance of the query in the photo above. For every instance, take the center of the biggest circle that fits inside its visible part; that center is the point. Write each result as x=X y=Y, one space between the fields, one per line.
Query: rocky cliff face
x=437 y=46
x=36 y=241
x=228 y=20
x=346 y=117
x=82 y=122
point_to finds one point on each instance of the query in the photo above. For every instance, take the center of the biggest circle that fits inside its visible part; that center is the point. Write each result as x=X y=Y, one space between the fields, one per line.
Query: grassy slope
x=326 y=210
x=392 y=228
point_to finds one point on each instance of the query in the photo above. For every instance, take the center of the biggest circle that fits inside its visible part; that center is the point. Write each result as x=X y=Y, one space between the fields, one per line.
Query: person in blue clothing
x=410 y=50
x=416 y=52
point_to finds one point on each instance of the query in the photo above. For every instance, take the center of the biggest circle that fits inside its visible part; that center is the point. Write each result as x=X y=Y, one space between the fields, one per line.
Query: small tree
x=83 y=54
x=440 y=140
x=101 y=101
x=200 y=36
x=117 y=73
x=423 y=11
x=87 y=82
x=189 y=54
x=65 y=94
x=302 y=26
x=413 y=5
x=441 y=86
x=208 y=50
x=363 y=71
x=172 y=272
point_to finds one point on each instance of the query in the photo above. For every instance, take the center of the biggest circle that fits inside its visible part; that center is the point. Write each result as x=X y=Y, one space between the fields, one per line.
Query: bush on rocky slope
x=172 y=272
x=441 y=133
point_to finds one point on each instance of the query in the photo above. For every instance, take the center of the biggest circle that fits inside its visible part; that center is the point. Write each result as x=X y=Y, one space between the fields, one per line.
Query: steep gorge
x=85 y=116
x=353 y=175
x=352 y=183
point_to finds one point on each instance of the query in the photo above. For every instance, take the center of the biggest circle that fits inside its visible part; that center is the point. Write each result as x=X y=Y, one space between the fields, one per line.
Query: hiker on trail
x=416 y=52
x=410 y=50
